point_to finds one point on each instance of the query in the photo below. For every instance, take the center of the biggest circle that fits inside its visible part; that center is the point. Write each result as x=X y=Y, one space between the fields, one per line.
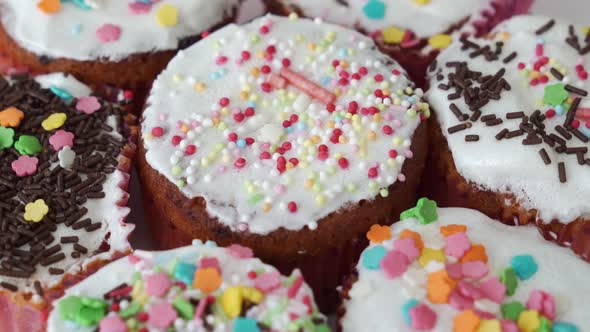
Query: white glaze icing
x=229 y=192
x=71 y=32
x=105 y=210
x=376 y=301
x=425 y=20
x=234 y=272
x=507 y=165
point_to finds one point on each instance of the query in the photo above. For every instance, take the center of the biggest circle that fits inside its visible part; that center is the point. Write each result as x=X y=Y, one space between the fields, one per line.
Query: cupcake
x=513 y=127
x=65 y=158
x=122 y=43
x=454 y=269
x=286 y=136
x=412 y=32
x=194 y=288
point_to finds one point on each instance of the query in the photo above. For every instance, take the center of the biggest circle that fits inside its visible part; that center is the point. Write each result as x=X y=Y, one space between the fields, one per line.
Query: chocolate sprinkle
x=562 y=174
x=545 y=156
x=27 y=246
x=546 y=27
x=471 y=138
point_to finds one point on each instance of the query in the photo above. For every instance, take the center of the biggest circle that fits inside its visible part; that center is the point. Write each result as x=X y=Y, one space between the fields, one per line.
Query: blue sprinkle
x=564 y=327
x=252 y=104
x=325 y=80
x=585 y=131
x=374 y=9
x=559 y=110
x=373 y=256
x=214 y=76
x=241 y=143
x=61 y=93
x=300 y=125
x=342 y=53
x=524 y=266
x=211 y=244
x=185 y=272
x=76 y=29
x=246 y=324
x=289 y=129
x=411 y=100
x=406 y=310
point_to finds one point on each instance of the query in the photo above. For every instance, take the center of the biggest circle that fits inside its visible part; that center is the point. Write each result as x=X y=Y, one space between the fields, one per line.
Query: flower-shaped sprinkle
x=555 y=94
x=60 y=139
x=6 y=137
x=108 y=33
x=25 y=166
x=425 y=211
x=11 y=117
x=28 y=145
x=49 y=6
x=54 y=121
x=88 y=105
x=36 y=211
x=377 y=234
x=66 y=157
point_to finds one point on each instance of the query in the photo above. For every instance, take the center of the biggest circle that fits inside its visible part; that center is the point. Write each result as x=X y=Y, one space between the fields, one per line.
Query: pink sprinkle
x=542 y=302
x=25 y=166
x=280 y=189
x=422 y=317
x=455 y=270
x=60 y=139
x=157 y=284
x=209 y=262
x=294 y=289
x=484 y=314
x=475 y=270
x=394 y=264
x=139 y=8
x=409 y=154
x=509 y=326
x=162 y=315
x=493 y=289
x=162 y=117
x=469 y=290
x=112 y=323
x=457 y=245
x=108 y=33
x=202 y=306
x=307 y=86
x=267 y=282
x=88 y=105
x=401 y=178
x=407 y=247
x=459 y=301
x=239 y=251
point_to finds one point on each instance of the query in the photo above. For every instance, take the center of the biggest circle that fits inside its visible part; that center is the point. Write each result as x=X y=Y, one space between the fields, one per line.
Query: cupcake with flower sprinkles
x=195 y=288
x=411 y=31
x=65 y=158
x=121 y=43
x=513 y=127
x=284 y=135
x=454 y=269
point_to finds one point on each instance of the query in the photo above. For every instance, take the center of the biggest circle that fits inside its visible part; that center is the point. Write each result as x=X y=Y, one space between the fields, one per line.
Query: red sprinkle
x=286 y=124
x=286 y=62
x=373 y=172
x=232 y=137
x=115 y=306
x=265 y=69
x=252 y=274
x=343 y=163
x=331 y=107
x=240 y=163
x=246 y=55
x=387 y=130
x=157 y=131
x=223 y=102
x=249 y=140
x=239 y=117
x=393 y=153
x=378 y=78
x=176 y=140
x=287 y=146
x=143 y=316
x=249 y=112
x=266 y=87
x=292 y=206
x=265 y=155
x=190 y=150
x=264 y=29
x=363 y=71
x=294 y=118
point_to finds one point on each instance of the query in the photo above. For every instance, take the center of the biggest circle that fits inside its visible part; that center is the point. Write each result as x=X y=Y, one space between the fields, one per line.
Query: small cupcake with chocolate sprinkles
x=513 y=127
x=121 y=43
x=194 y=288
x=288 y=136
x=412 y=31
x=454 y=269
x=64 y=165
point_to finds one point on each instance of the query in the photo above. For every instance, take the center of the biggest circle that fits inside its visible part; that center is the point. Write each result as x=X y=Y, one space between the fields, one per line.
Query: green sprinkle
x=28 y=145
x=512 y=310
x=184 y=308
x=508 y=277
x=255 y=199
x=6 y=137
x=555 y=94
x=425 y=211
x=544 y=326
x=133 y=309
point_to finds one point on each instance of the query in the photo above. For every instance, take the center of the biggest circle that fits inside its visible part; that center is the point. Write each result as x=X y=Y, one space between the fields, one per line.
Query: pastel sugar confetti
x=11 y=117
x=407 y=247
x=108 y=33
x=372 y=257
x=25 y=165
x=36 y=211
x=61 y=139
x=457 y=245
x=422 y=317
x=157 y=284
x=162 y=315
x=394 y=264
x=88 y=105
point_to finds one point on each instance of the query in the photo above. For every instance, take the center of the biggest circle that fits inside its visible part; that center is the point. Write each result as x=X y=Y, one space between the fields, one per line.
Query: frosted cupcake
x=65 y=158
x=195 y=288
x=287 y=136
x=458 y=270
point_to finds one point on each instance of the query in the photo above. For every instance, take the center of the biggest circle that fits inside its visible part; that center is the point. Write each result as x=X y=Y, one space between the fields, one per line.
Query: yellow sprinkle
x=54 y=121
x=342 y=140
x=528 y=321
x=293 y=16
x=429 y=255
x=137 y=293
x=255 y=71
x=421 y=2
x=372 y=135
x=231 y=302
x=200 y=87
x=36 y=211
x=440 y=41
x=492 y=325
x=393 y=35
x=320 y=199
x=266 y=207
x=316 y=139
x=167 y=15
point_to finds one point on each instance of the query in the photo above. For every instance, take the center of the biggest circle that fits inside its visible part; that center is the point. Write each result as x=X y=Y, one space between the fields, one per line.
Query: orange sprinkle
x=440 y=286
x=378 y=234
x=452 y=229
x=49 y=6
x=11 y=117
x=207 y=280
x=476 y=253
x=406 y=233
x=467 y=321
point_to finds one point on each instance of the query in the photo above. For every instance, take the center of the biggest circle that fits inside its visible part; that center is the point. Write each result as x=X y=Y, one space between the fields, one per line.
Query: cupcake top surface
x=424 y=18
x=88 y=30
x=281 y=122
x=194 y=288
x=59 y=183
x=457 y=270
x=515 y=112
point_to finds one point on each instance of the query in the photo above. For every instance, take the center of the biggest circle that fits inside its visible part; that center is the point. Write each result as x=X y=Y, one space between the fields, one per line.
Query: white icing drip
x=173 y=99
x=234 y=273
x=376 y=301
x=105 y=211
x=508 y=166
x=425 y=20
x=71 y=33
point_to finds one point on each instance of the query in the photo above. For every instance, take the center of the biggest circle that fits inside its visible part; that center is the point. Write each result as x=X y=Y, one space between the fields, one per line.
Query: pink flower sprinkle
x=88 y=105
x=239 y=251
x=25 y=166
x=162 y=315
x=394 y=264
x=112 y=323
x=157 y=284
x=108 y=33
x=60 y=139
